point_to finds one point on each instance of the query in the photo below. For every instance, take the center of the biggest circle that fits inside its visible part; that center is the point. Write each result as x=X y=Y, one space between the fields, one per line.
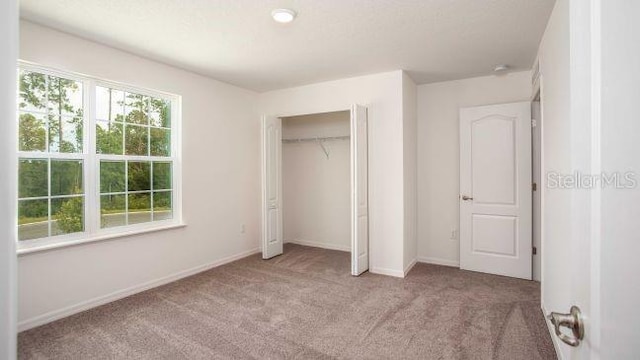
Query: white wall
x=8 y=193
x=220 y=147
x=382 y=94
x=438 y=155
x=410 y=150
x=620 y=240
x=316 y=189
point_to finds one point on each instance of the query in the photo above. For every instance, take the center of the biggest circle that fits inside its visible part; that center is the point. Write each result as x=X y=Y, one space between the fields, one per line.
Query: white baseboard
x=320 y=245
x=552 y=333
x=388 y=272
x=438 y=261
x=117 y=295
x=409 y=267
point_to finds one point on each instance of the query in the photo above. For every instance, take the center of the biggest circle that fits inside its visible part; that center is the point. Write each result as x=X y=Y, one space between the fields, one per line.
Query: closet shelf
x=315 y=139
x=319 y=140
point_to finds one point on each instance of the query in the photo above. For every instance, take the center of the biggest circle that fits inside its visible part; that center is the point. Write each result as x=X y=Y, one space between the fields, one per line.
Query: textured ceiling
x=236 y=41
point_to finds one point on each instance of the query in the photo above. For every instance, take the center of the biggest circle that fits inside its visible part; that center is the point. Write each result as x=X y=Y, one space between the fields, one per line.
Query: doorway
x=315 y=180
x=301 y=213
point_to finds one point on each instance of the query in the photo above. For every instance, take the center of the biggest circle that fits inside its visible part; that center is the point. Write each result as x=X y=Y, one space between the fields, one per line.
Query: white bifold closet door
x=359 y=191
x=272 y=237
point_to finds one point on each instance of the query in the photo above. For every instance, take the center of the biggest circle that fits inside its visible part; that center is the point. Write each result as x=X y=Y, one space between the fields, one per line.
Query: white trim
x=554 y=338
x=388 y=272
x=62 y=243
x=438 y=261
x=319 y=112
x=117 y=295
x=410 y=266
x=319 y=245
x=91 y=177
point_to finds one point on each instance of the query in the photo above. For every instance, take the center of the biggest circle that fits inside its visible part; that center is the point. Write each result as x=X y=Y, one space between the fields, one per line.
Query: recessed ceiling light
x=283 y=15
x=501 y=68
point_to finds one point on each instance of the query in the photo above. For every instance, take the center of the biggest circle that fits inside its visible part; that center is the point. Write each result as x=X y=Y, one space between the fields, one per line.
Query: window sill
x=34 y=248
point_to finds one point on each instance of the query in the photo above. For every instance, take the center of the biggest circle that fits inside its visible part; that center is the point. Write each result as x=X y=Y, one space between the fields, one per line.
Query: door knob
x=573 y=321
x=466 y=198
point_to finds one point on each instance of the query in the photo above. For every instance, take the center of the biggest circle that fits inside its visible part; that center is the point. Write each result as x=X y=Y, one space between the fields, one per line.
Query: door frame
x=351 y=182
x=536 y=168
x=538 y=91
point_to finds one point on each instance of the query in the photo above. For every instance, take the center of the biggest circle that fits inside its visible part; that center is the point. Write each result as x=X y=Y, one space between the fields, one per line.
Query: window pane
x=136 y=109
x=65 y=134
x=33 y=132
x=32 y=91
x=160 y=114
x=109 y=138
x=33 y=219
x=66 y=177
x=112 y=211
x=136 y=140
x=109 y=104
x=32 y=178
x=65 y=96
x=139 y=208
x=160 y=142
x=139 y=175
x=162 y=208
x=112 y=176
x=67 y=215
x=161 y=175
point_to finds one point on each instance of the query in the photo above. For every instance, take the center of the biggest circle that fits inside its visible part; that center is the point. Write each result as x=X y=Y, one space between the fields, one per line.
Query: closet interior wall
x=316 y=180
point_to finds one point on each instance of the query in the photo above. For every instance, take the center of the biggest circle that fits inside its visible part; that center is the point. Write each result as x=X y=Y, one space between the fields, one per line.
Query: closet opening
x=315 y=186
x=316 y=190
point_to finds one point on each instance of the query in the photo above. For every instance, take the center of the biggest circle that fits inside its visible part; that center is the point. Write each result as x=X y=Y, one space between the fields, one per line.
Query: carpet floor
x=305 y=305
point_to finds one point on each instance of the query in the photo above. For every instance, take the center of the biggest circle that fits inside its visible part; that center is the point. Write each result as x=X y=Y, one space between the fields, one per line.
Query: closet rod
x=327 y=138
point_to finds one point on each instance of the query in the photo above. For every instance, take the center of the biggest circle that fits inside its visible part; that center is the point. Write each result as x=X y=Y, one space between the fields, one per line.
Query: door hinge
x=534 y=186
x=535 y=250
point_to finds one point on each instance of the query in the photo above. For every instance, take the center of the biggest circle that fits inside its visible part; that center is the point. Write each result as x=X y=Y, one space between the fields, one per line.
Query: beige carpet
x=305 y=305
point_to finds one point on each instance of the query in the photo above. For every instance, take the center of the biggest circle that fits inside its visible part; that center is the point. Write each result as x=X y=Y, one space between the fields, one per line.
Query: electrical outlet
x=454 y=234
x=242 y=229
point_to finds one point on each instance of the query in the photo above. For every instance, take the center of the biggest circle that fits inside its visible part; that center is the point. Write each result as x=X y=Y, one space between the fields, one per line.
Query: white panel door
x=271 y=187
x=495 y=189
x=359 y=191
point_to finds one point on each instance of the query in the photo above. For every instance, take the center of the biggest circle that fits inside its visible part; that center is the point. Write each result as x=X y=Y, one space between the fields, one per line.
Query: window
x=94 y=158
x=133 y=143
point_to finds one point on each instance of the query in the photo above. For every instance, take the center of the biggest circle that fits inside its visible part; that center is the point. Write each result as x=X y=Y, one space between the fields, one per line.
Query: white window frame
x=91 y=165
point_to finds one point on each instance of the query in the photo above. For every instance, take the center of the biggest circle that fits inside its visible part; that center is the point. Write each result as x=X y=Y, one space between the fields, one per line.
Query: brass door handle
x=466 y=198
x=573 y=321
